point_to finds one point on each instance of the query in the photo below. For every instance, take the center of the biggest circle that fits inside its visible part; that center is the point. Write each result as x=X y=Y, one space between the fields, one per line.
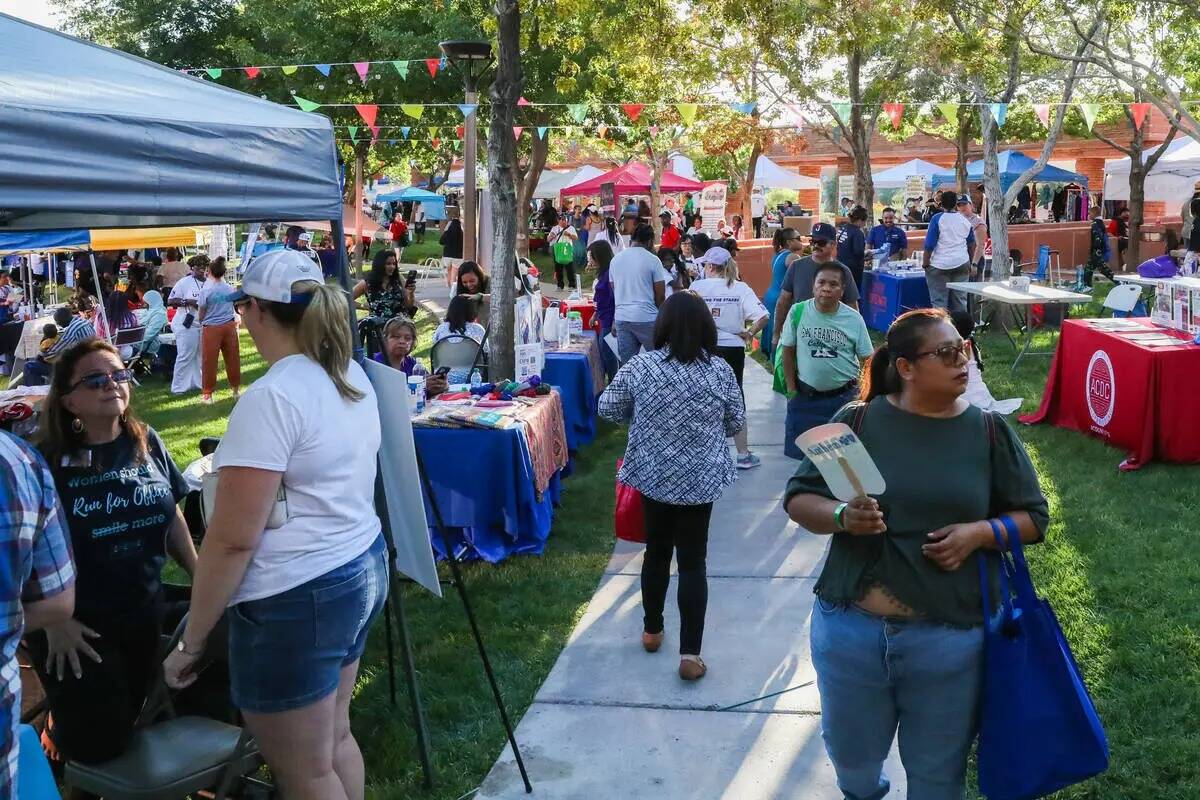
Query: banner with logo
x=914 y=186
x=712 y=207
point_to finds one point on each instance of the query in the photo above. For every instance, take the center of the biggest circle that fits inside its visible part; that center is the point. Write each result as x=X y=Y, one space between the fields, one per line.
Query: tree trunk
x=962 y=146
x=861 y=130
x=657 y=167
x=997 y=211
x=501 y=150
x=526 y=185
x=1137 y=209
x=748 y=186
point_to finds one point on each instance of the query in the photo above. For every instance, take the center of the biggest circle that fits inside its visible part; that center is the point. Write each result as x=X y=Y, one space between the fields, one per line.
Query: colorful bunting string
x=322 y=68
x=305 y=105
x=1043 y=113
x=999 y=113
x=687 y=112
x=290 y=69
x=1089 y=111
x=251 y=72
x=633 y=110
x=368 y=112
x=467 y=109
x=517 y=131
x=895 y=113
x=401 y=69
x=842 y=110
x=433 y=64
x=1138 y=111
x=949 y=111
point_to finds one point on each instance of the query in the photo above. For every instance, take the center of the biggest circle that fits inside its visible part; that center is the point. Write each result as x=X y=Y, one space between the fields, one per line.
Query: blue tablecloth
x=886 y=296
x=487 y=518
x=571 y=374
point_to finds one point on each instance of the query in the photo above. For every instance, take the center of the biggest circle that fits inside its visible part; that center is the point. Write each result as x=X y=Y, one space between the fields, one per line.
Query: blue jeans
x=883 y=676
x=631 y=337
x=808 y=412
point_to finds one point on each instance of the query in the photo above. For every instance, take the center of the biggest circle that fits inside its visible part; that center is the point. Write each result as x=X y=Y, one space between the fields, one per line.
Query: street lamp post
x=471 y=60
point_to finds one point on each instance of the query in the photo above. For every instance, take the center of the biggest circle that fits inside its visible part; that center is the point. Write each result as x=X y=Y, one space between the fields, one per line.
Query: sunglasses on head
x=99 y=380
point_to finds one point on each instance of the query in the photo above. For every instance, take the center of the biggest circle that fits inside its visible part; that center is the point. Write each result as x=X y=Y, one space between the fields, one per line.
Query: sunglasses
x=99 y=380
x=241 y=305
x=950 y=354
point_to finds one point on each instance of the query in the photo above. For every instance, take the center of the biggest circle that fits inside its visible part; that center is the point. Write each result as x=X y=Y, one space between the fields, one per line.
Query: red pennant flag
x=461 y=131
x=895 y=112
x=523 y=101
x=435 y=142
x=1139 y=111
x=517 y=131
x=432 y=65
x=633 y=110
x=251 y=72
x=1043 y=112
x=368 y=112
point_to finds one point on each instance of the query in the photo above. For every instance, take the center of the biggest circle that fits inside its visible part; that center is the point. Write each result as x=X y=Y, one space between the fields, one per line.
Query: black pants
x=684 y=530
x=1096 y=263
x=569 y=269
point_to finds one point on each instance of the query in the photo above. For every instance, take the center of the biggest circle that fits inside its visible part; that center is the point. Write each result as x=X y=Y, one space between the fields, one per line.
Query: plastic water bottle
x=476 y=379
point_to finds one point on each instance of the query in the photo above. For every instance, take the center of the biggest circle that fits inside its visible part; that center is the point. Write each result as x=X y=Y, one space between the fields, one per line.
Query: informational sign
x=530 y=352
x=608 y=199
x=845 y=188
x=914 y=186
x=712 y=207
x=401 y=481
x=844 y=462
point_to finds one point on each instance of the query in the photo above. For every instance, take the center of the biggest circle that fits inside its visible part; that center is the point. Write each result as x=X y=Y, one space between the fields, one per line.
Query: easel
x=395 y=600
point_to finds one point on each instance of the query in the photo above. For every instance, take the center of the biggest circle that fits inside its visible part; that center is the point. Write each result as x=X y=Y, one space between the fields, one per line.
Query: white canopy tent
x=552 y=181
x=767 y=174
x=1170 y=181
x=896 y=177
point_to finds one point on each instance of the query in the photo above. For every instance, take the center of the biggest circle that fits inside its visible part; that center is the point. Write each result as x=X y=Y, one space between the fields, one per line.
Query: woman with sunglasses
x=293 y=548
x=897 y=629
x=119 y=490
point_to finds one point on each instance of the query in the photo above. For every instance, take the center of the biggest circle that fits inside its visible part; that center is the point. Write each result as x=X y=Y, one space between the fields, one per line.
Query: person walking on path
x=786 y=244
x=802 y=273
x=636 y=275
x=218 y=335
x=733 y=305
x=451 y=241
x=852 y=243
x=947 y=258
x=824 y=343
x=185 y=298
x=897 y=629
x=681 y=403
x=1099 y=250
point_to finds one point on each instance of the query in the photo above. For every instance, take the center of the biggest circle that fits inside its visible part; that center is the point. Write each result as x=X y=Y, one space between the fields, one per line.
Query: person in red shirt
x=670 y=233
x=399 y=232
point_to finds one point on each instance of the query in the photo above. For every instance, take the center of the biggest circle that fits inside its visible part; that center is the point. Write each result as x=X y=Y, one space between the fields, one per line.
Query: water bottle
x=476 y=379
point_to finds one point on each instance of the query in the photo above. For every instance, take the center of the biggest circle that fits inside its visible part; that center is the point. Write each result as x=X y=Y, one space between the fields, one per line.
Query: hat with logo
x=271 y=276
x=823 y=230
x=963 y=200
x=717 y=256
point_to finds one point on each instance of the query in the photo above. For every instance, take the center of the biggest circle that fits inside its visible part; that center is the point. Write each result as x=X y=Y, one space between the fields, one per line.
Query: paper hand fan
x=844 y=462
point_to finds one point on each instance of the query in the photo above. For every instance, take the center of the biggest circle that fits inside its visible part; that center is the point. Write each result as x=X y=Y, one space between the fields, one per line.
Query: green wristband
x=838 y=512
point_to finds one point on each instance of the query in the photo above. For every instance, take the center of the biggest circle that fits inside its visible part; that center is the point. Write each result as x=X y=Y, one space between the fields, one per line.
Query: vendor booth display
x=631 y=179
x=1006 y=297
x=1013 y=165
x=886 y=295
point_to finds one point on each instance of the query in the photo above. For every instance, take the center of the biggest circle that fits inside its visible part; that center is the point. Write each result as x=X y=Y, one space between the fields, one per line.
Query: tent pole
x=358 y=201
x=99 y=297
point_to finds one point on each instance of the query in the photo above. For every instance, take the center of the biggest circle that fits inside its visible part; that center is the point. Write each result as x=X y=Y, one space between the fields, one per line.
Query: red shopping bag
x=628 y=520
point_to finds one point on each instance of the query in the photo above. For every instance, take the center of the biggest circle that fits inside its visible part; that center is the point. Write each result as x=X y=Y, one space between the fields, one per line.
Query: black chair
x=459 y=352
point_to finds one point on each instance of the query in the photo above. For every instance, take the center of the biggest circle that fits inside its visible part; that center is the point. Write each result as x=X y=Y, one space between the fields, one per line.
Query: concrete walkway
x=612 y=721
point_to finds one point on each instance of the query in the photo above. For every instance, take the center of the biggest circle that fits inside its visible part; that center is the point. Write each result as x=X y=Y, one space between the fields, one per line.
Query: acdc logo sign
x=1101 y=388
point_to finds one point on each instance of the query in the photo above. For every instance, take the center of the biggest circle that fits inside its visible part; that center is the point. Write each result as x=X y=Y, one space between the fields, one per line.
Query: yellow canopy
x=141 y=238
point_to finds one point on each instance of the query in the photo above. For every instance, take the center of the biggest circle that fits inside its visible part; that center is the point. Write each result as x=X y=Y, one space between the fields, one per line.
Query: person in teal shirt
x=786 y=242
x=824 y=343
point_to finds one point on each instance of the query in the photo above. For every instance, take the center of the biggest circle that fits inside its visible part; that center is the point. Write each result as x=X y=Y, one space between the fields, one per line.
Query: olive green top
x=938 y=472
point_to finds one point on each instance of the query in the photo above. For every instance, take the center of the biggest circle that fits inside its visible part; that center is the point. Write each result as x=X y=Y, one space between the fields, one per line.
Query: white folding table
x=1001 y=293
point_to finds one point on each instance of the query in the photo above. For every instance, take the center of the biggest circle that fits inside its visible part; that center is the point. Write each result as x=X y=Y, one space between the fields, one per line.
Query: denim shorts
x=288 y=651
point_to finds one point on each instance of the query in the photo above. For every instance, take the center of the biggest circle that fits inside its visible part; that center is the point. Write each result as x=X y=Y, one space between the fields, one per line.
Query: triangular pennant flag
x=432 y=65
x=542 y=131
x=374 y=132
x=414 y=110
x=402 y=69
x=843 y=112
x=1138 y=111
x=578 y=111
x=461 y=131
x=654 y=130
x=252 y=72
x=353 y=131
x=322 y=68
x=362 y=68
x=305 y=105
x=290 y=69
x=522 y=102
x=404 y=131
x=213 y=73
x=1090 y=110
x=687 y=112
x=1043 y=112
x=435 y=142
x=633 y=110
x=434 y=131
x=1000 y=112
x=467 y=109
x=393 y=141
x=949 y=111
x=517 y=131
x=368 y=111
x=743 y=108
x=895 y=113
x=568 y=131
x=601 y=130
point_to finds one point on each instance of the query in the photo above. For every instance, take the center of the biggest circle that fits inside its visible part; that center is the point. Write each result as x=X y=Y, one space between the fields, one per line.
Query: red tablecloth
x=1141 y=399
x=586 y=310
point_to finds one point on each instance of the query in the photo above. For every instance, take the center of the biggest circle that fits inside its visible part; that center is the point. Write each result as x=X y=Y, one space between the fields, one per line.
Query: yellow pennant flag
x=949 y=111
x=687 y=112
x=414 y=110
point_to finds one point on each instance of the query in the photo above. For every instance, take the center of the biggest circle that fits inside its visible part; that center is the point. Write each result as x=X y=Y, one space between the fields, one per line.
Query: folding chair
x=458 y=353
x=1123 y=299
x=432 y=268
x=1044 y=272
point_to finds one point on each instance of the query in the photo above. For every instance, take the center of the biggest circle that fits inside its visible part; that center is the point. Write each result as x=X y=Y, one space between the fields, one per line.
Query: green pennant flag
x=687 y=112
x=578 y=111
x=1090 y=110
x=843 y=112
x=414 y=110
x=949 y=111
x=290 y=69
x=433 y=132
x=353 y=132
x=213 y=73
x=402 y=68
x=305 y=105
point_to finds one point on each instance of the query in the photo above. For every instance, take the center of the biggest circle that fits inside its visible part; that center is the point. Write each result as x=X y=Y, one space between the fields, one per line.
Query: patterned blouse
x=388 y=302
x=679 y=418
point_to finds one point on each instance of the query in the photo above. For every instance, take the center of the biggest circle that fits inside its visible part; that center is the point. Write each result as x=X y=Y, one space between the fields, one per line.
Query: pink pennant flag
x=432 y=65
x=1043 y=112
x=517 y=131
x=1139 y=111
x=895 y=113
x=374 y=132
x=633 y=110
x=601 y=130
x=653 y=130
x=461 y=131
x=368 y=112
x=362 y=68
x=252 y=72
x=435 y=143
x=523 y=101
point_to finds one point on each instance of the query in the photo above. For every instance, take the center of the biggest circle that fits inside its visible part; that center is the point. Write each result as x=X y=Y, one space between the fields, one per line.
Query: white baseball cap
x=717 y=256
x=271 y=276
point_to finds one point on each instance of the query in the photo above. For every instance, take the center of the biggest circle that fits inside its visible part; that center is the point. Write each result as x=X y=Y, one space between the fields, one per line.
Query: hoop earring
x=77 y=425
x=123 y=418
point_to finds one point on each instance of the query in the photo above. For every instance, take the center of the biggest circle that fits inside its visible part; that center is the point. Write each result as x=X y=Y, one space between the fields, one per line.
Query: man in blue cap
x=891 y=235
x=798 y=282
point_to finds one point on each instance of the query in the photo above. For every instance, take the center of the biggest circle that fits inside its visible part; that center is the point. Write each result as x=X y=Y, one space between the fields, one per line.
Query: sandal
x=692 y=668
x=652 y=641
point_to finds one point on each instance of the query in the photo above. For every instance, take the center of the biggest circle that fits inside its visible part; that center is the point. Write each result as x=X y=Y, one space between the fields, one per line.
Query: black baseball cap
x=823 y=230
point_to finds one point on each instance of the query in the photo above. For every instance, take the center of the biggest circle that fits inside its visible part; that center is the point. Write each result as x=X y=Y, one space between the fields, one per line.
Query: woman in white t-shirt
x=293 y=548
x=605 y=230
x=733 y=305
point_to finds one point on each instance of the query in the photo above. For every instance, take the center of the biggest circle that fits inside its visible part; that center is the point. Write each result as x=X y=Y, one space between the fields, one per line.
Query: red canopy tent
x=633 y=178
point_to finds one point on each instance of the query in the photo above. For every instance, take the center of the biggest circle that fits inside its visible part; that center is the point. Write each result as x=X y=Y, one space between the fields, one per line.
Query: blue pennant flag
x=1000 y=112
x=404 y=131
x=743 y=108
x=392 y=141
x=467 y=109
x=442 y=63
x=542 y=132
x=322 y=68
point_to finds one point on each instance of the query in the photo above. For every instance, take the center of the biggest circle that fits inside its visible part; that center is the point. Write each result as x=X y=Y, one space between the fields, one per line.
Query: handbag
x=208 y=495
x=1039 y=731
x=779 y=380
x=629 y=519
x=564 y=250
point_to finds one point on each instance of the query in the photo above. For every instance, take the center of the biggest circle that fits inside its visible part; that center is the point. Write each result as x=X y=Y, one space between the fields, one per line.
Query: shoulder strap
x=989 y=421
x=857 y=416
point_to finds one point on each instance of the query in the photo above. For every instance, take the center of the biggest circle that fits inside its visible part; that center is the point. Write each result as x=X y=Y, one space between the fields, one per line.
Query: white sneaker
x=748 y=461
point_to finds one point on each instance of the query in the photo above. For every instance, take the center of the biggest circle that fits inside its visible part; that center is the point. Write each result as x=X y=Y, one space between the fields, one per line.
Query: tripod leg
x=466 y=601
x=391 y=648
x=414 y=692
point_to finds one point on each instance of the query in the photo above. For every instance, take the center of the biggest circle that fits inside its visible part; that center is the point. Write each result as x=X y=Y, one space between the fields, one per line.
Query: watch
x=838 y=512
x=182 y=649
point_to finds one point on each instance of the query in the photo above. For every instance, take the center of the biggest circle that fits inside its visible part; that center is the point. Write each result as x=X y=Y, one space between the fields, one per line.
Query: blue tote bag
x=1038 y=729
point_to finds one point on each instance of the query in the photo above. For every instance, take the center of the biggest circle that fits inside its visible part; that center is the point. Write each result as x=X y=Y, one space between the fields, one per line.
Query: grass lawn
x=1119 y=566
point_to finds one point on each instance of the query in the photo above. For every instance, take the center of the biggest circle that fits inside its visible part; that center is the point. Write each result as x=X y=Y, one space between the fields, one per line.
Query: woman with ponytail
x=293 y=547
x=897 y=628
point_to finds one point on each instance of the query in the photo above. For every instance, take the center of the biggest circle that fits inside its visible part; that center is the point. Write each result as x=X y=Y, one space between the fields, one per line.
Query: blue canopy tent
x=432 y=203
x=1012 y=165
